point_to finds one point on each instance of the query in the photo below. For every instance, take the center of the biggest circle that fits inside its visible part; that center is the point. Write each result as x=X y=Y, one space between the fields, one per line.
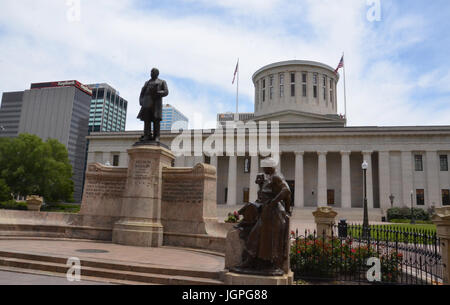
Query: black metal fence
x=376 y=255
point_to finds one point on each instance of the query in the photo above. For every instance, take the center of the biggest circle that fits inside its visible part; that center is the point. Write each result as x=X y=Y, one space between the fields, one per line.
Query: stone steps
x=98 y=270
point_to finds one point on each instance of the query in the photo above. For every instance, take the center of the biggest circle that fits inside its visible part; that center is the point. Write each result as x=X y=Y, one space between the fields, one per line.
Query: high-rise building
x=10 y=113
x=170 y=116
x=108 y=110
x=57 y=110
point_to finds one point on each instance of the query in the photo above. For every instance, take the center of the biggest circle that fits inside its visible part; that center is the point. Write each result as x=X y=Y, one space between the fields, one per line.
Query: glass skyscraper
x=171 y=115
x=108 y=110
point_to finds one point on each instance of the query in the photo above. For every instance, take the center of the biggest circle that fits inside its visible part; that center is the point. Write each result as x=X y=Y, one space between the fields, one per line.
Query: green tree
x=5 y=191
x=30 y=166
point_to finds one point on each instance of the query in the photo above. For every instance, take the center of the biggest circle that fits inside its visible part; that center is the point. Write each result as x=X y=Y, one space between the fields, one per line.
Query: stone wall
x=103 y=190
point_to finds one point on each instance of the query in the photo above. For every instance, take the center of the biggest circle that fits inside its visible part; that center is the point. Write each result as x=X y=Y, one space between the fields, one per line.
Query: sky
x=396 y=51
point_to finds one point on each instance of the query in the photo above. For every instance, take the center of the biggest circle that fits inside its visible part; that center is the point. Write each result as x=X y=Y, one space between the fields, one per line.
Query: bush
x=405 y=213
x=13 y=205
x=327 y=259
x=61 y=208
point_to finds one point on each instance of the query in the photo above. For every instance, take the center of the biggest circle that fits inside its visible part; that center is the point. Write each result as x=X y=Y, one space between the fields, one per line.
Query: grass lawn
x=404 y=233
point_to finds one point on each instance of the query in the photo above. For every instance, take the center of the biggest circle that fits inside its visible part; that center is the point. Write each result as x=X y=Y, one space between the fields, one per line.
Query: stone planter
x=34 y=203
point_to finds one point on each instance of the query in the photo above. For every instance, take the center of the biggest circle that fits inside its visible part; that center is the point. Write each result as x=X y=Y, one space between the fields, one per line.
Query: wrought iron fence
x=401 y=255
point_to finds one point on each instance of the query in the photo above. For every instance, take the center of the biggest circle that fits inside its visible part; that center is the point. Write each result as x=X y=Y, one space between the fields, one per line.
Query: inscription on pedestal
x=142 y=173
x=104 y=188
x=189 y=191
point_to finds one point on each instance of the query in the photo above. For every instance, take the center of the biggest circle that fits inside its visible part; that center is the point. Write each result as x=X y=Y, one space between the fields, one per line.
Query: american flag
x=235 y=72
x=341 y=64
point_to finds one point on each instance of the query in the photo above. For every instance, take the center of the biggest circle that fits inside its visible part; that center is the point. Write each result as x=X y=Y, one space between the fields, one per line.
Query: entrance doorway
x=330 y=197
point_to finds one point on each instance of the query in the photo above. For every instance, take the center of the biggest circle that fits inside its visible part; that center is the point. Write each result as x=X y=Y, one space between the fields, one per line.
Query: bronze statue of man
x=151 y=106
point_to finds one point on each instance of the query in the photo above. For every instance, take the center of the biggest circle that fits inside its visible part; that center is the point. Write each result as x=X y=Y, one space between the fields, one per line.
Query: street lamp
x=365 y=229
x=391 y=198
x=413 y=221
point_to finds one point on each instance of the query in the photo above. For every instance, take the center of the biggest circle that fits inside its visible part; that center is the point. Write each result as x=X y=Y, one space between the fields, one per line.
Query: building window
x=116 y=160
x=420 y=197
x=324 y=87
x=207 y=159
x=315 y=83
x=330 y=197
x=445 y=197
x=271 y=87
x=292 y=84
x=444 y=163
x=331 y=92
x=304 y=84
x=281 y=85
x=247 y=164
x=263 y=90
x=418 y=163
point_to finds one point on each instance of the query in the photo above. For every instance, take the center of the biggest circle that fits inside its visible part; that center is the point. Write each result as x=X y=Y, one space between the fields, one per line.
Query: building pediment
x=302 y=118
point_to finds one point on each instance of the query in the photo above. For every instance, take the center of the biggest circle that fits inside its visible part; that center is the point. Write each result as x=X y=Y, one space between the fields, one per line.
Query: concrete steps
x=121 y=273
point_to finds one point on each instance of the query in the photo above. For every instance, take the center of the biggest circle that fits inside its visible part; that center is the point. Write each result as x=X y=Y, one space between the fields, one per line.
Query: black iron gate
x=379 y=255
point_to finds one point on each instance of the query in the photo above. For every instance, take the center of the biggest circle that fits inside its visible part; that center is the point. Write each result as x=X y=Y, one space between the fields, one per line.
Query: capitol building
x=320 y=157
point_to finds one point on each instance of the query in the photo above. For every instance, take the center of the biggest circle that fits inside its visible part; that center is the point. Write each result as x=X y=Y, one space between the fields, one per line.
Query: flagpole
x=236 y=117
x=345 y=89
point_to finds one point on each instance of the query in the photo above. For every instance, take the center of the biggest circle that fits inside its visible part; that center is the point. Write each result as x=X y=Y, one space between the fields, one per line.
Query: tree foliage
x=30 y=166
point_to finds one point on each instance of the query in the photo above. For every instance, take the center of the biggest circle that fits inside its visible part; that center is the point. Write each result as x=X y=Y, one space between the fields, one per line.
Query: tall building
x=57 y=110
x=320 y=157
x=10 y=113
x=108 y=109
x=171 y=115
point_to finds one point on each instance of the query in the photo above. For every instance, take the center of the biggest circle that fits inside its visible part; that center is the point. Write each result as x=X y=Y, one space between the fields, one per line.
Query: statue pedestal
x=442 y=221
x=244 y=279
x=140 y=222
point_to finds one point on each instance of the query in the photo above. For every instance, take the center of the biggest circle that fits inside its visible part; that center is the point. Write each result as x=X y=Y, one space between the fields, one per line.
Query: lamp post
x=365 y=229
x=391 y=198
x=413 y=221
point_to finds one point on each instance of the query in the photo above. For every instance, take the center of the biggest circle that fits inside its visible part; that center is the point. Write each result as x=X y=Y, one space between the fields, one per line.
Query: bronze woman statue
x=267 y=239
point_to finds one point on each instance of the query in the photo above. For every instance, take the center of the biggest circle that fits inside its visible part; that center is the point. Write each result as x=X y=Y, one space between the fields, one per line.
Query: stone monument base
x=244 y=279
x=138 y=233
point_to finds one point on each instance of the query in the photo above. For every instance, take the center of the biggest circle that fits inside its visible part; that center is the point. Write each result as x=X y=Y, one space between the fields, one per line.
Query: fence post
x=442 y=221
x=325 y=219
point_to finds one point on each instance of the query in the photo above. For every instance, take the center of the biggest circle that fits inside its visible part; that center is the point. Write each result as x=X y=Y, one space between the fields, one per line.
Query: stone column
x=433 y=193
x=367 y=156
x=299 y=180
x=215 y=162
x=254 y=169
x=346 y=180
x=442 y=221
x=140 y=222
x=324 y=218
x=277 y=157
x=407 y=178
x=232 y=177
x=384 y=179
x=322 y=180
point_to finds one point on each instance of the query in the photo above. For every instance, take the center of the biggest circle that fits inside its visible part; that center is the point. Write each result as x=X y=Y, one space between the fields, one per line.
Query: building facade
x=319 y=156
x=57 y=110
x=108 y=110
x=170 y=116
x=10 y=110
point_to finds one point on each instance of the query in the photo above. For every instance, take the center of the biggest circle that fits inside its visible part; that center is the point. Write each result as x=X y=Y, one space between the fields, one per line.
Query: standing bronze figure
x=265 y=227
x=151 y=106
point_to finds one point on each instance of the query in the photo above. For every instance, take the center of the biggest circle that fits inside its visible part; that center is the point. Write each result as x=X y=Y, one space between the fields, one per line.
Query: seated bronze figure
x=265 y=227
